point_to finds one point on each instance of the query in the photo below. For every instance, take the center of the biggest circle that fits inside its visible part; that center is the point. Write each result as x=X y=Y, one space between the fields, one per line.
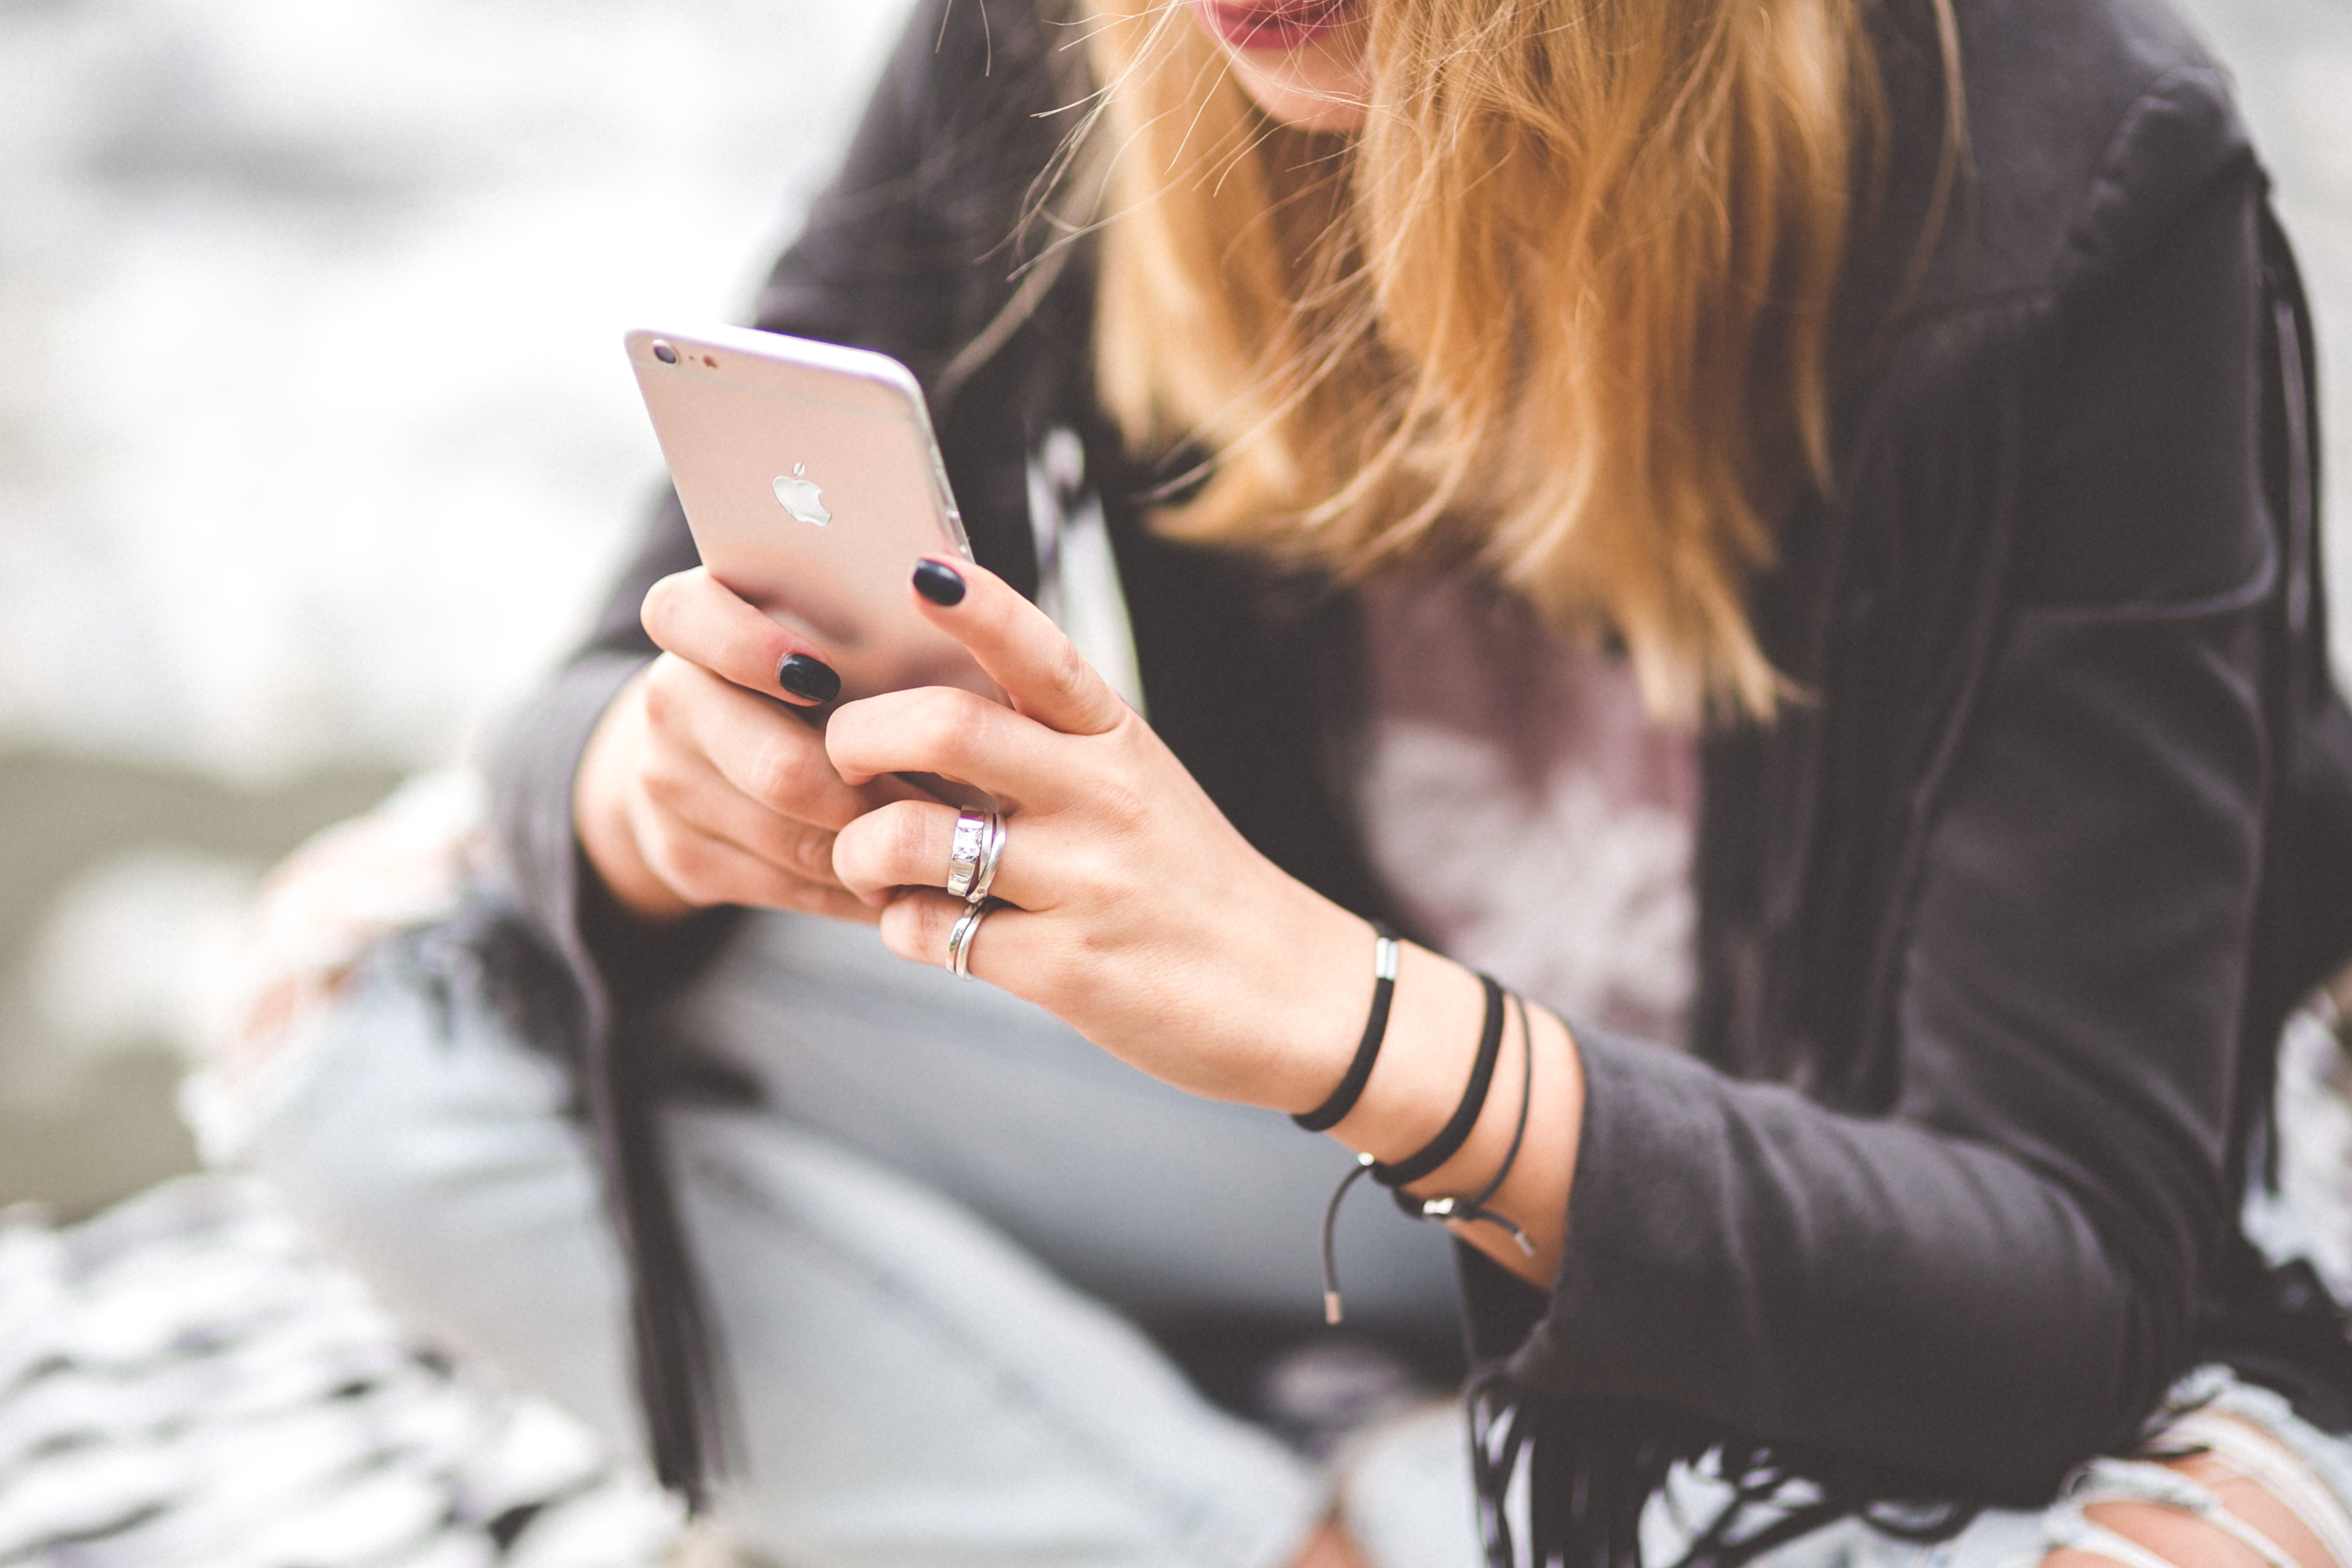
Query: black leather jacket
x=1999 y=919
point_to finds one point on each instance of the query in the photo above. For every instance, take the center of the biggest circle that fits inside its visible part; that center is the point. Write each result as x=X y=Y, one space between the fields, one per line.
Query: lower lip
x=1276 y=26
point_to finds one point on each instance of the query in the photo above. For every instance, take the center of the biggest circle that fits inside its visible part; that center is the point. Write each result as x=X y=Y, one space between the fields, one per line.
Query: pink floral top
x=1524 y=810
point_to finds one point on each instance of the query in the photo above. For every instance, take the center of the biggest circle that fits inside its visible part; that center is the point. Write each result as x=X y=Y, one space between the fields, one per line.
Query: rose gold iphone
x=813 y=485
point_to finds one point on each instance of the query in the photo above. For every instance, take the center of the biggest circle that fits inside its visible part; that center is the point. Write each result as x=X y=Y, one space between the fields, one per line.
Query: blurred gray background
x=316 y=439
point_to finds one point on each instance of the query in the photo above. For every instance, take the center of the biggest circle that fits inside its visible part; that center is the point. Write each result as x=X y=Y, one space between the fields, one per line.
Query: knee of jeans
x=432 y=1152
x=2145 y=1514
x=389 y=1096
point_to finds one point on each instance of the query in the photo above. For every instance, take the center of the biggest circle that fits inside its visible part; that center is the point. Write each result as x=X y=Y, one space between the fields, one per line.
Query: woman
x=1706 y=422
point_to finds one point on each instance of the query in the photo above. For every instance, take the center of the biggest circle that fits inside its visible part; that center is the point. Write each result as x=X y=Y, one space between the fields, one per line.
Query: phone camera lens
x=664 y=352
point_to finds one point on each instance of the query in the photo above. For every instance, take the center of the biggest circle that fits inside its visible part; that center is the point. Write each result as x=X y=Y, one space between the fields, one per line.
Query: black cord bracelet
x=1475 y=1210
x=1456 y=1132
x=1332 y=1111
x=1444 y=1147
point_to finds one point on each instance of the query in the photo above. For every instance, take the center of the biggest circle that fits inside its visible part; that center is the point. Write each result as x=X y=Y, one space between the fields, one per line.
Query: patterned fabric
x=185 y=1384
x=1522 y=808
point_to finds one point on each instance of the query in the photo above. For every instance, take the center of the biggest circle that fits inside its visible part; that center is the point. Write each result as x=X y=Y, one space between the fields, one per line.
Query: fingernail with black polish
x=938 y=582
x=809 y=678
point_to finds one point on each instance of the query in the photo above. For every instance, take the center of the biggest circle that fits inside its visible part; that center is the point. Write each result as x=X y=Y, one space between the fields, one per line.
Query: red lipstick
x=1276 y=24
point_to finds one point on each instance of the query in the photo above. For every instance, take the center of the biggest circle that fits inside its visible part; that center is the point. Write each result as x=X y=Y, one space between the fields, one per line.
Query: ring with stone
x=990 y=859
x=974 y=829
x=959 y=940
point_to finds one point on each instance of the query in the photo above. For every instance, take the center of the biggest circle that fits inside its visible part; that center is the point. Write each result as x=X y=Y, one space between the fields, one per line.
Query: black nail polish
x=809 y=678
x=938 y=582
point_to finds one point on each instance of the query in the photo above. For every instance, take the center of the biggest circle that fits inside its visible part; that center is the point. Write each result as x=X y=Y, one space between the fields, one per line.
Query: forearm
x=1927 y=1301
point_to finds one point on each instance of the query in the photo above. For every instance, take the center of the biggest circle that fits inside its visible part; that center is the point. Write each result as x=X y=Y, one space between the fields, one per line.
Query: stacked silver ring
x=973 y=855
x=967 y=926
x=973 y=829
x=990 y=859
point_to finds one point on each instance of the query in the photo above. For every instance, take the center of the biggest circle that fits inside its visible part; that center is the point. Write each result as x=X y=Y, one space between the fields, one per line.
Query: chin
x=1301 y=108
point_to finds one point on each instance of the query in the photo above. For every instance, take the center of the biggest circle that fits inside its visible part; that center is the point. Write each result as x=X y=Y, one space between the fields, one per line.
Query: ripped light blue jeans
x=924 y=1251
x=2251 y=1429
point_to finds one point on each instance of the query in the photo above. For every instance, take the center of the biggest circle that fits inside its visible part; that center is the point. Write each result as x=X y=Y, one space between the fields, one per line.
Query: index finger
x=694 y=615
x=1038 y=668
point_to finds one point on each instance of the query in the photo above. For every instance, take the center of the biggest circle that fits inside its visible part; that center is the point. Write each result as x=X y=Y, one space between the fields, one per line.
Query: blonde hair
x=1559 y=312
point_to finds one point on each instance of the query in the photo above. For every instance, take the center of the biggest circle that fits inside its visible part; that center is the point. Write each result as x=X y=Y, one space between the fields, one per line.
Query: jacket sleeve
x=1995 y=1278
x=872 y=268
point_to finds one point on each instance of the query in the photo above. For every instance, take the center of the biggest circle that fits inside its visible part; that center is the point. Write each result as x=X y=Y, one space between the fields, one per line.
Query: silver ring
x=990 y=859
x=973 y=829
x=967 y=927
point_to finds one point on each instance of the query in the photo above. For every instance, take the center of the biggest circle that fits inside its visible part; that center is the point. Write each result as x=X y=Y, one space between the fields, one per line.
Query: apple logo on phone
x=800 y=496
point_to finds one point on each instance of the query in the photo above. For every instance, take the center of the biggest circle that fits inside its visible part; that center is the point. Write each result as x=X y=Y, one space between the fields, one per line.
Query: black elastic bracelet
x=1456 y=1132
x=1475 y=1209
x=1449 y=1140
x=1332 y=1111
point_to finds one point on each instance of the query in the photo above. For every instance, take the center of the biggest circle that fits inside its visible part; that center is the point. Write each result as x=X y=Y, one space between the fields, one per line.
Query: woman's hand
x=699 y=787
x=1140 y=915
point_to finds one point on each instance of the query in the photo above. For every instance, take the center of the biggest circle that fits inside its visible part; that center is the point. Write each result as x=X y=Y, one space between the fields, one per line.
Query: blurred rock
x=112 y=877
x=132 y=953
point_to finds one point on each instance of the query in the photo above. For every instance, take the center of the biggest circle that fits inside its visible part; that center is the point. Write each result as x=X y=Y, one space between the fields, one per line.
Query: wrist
x=1319 y=966
x=602 y=822
x=1432 y=1043
x=1523 y=1143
